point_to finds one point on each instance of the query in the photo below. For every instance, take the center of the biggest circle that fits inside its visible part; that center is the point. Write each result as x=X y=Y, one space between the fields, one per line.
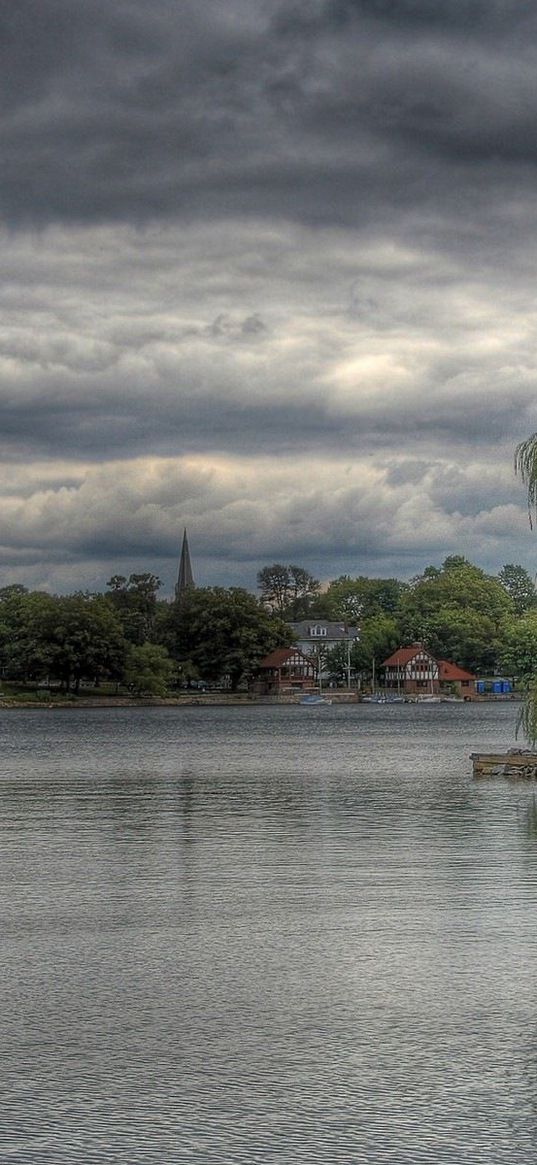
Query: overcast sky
x=269 y=272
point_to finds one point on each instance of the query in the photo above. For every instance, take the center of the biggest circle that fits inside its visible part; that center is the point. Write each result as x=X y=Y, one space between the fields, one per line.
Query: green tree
x=356 y=599
x=518 y=654
x=135 y=601
x=81 y=638
x=457 y=611
x=223 y=633
x=520 y=587
x=287 y=590
x=379 y=636
x=148 y=670
x=469 y=638
x=24 y=652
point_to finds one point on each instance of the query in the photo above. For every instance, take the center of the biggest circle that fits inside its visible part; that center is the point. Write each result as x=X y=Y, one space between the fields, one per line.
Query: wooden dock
x=518 y=764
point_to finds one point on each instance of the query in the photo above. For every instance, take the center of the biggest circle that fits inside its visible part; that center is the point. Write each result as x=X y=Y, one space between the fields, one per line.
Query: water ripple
x=265 y=935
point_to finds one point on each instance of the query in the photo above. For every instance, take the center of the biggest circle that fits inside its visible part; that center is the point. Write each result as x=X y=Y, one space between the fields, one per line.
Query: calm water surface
x=277 y=935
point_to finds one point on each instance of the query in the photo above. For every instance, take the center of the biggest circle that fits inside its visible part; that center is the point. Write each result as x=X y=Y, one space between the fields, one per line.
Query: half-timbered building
x=286 y=669
x=412 y=670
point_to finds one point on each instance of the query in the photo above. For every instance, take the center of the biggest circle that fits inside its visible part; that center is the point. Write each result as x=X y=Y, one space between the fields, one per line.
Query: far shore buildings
x=414 y=671
x=411 y=670
x=313 y=636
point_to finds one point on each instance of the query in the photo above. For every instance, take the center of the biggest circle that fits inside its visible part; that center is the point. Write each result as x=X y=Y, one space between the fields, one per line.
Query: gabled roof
x=281 y=656
x=446 y=669
x=451 y=671
x=334 y=629
x=405 y=654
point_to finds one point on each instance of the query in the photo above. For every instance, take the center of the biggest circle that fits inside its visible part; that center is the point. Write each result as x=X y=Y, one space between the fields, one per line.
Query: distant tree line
x=130 y=638
x=482 y=622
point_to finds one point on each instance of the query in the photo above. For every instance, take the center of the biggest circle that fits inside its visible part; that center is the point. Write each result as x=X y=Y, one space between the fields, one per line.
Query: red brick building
x=456 y=679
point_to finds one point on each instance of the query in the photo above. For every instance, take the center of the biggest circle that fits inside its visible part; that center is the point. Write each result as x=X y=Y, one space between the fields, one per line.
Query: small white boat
x=381 y=698
x=311 y=701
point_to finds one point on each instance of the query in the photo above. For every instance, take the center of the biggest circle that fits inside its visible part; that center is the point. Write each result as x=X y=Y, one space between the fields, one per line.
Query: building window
x=317 y=630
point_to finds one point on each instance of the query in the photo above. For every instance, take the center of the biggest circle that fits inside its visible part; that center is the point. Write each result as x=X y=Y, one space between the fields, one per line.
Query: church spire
x=185 y=578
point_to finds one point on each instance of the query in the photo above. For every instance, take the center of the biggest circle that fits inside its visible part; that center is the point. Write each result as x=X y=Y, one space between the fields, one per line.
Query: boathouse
x=284 y=670
x=412 y=671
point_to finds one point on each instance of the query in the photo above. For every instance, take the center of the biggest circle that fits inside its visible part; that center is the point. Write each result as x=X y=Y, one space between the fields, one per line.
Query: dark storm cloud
x=323 y=111
x=90 y=427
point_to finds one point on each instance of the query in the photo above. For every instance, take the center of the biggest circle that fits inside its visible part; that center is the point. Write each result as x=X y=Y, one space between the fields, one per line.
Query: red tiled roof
x=281 y=655
x=404 y=654
x=451 y=671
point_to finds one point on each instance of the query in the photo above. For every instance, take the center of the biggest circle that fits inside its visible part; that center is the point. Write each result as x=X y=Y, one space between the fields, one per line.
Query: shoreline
x=213 y=701
x=222 y=700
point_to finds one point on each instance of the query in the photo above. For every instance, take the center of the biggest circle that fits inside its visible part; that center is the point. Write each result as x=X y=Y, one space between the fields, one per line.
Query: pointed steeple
x=185 y=578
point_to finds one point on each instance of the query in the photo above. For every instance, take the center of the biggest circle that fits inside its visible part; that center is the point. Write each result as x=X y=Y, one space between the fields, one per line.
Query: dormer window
x=317 y=630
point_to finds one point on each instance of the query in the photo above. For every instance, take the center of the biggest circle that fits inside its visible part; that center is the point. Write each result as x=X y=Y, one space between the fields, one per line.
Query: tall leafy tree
x=223 y=633
x=287 y=589
x=457 y=611
x=24 y=651
x=135 y=601
x=83 y=639
x=148 y=670
x=356 y=599
x=520 y=586
x=379 y=636
x=518 y=654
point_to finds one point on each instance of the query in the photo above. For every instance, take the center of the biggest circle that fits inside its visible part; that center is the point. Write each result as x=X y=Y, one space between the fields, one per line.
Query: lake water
x=279 y=935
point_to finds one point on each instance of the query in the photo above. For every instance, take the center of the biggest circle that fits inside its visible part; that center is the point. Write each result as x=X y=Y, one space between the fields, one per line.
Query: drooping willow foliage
x=527 y=718
x=526 y=466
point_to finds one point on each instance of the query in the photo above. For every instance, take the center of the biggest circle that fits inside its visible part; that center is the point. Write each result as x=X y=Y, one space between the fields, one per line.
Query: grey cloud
x=242 y=514
x=320 y=112
x=85 y=422
x=469 y=15
x=301 y=233
x=120 y=343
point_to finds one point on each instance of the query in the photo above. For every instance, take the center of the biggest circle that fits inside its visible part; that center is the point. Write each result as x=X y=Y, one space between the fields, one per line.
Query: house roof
x=451 y=671
x=404 y=654
x=281 y=656
x=333 y=629
x=446 y=669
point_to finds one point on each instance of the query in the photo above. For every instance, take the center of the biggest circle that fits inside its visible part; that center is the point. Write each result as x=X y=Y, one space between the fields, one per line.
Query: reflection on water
x=266 y=934
x=531 y=817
